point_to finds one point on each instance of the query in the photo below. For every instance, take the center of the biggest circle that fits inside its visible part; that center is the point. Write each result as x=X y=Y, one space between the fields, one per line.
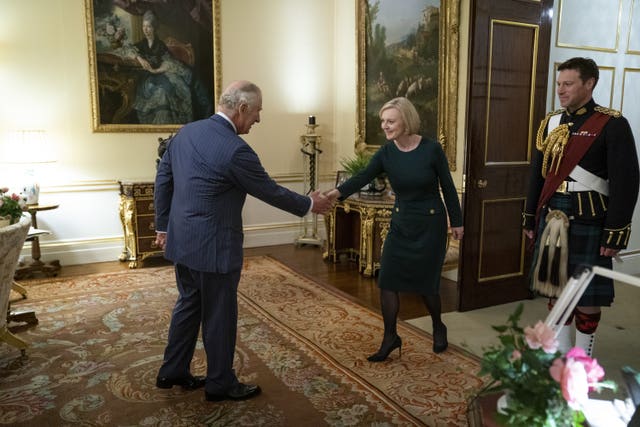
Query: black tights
x=434 y=305
x=390 y=305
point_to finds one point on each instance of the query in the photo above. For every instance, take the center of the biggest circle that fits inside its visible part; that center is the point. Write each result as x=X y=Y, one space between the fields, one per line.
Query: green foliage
x=355 y=164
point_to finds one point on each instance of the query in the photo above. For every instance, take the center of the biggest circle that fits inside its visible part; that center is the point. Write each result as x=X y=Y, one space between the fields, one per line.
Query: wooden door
x=509 y=55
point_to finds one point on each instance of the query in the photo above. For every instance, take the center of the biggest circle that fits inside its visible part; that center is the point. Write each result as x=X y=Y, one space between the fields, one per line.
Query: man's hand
x=608 y=252
x=161 y=239
x=457 y=232
x=321 y=203
x=528 y=233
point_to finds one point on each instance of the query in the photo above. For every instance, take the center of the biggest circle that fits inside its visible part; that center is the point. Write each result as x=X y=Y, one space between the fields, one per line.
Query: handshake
x=324 y=202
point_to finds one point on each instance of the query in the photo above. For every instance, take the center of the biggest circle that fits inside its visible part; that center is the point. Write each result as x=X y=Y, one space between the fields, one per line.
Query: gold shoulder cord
x=609 y=111
x=553 y=145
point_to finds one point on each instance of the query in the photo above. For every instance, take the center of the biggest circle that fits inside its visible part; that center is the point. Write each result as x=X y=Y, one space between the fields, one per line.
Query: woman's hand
x=332 y=194
x=144 y=63
x=457 y=232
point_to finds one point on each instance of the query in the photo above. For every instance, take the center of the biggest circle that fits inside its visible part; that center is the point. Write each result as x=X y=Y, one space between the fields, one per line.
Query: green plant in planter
x=356 y=164
x=10 y=206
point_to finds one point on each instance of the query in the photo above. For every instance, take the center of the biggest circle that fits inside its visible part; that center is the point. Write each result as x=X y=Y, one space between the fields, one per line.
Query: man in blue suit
x=200 y=189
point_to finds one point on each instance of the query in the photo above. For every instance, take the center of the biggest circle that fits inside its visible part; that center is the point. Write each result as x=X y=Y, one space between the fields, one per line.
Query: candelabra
x=310 y=153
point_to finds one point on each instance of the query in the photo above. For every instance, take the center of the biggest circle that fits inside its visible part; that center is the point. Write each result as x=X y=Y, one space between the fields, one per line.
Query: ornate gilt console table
x=357 y=227
x=137 y=215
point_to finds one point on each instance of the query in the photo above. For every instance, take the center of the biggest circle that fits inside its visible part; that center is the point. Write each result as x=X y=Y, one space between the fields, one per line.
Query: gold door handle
x=482 y=183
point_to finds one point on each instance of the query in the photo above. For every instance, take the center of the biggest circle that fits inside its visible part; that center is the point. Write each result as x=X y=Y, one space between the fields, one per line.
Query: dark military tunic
x=612 y=156
x=414 y=249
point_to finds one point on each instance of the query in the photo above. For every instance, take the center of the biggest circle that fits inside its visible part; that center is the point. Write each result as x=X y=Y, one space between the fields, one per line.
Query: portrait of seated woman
x=163 y=94
x=148 y=72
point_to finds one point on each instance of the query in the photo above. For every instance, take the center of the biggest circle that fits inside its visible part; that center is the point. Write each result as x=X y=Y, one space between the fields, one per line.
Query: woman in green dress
x=415 y=246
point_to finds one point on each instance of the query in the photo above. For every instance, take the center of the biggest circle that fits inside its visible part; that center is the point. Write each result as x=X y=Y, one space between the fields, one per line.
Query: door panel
x=501 y=252
x=508 y=80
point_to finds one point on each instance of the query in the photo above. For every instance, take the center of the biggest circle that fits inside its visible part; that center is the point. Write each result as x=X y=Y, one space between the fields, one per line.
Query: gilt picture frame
x=408 y=48
x=341 y=177
x=153 y=66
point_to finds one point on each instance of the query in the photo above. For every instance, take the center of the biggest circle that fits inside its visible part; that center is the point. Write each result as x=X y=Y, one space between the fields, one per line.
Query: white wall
x=302 y=53
x=44 y=76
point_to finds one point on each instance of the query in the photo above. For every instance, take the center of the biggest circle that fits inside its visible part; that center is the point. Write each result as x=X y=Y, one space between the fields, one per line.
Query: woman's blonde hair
x=408 y=112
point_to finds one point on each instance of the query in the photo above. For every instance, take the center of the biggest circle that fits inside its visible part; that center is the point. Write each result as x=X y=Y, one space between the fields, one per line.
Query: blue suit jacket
x=200 y=189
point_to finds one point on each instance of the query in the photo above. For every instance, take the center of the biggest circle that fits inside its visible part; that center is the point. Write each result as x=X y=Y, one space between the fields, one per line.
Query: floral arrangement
x=542 y=387
x=110 y=32
x=10 y=205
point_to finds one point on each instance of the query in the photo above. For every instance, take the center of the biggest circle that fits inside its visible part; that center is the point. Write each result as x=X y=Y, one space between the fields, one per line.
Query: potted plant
x=542 y=386
x=10 y=207
x=356 y=164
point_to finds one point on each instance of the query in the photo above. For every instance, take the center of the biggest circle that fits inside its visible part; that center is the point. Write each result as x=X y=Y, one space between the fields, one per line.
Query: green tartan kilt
x=584 y=249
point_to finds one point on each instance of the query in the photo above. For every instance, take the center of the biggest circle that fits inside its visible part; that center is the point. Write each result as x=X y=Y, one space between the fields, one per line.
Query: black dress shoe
x=239 y=391
x=189 y=383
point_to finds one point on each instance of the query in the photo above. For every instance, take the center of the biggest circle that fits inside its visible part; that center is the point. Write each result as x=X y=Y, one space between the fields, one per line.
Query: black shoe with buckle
x=239 y=391
x=190 y=383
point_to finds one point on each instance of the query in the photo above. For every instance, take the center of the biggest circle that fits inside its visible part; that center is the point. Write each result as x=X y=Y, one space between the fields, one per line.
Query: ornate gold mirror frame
x=447 y=71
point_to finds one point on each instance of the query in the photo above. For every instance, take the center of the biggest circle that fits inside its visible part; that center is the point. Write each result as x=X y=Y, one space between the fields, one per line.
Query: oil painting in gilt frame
x=154 y=65
x=408 y=48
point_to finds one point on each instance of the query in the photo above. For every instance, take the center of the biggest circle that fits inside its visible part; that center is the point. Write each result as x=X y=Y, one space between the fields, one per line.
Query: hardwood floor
x=308 y=261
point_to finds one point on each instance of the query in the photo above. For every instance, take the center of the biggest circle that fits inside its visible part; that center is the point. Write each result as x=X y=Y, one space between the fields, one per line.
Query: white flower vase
x=31 y=194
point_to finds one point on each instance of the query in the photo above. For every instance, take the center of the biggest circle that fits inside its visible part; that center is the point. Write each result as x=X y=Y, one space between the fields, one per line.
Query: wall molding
x=109 y=248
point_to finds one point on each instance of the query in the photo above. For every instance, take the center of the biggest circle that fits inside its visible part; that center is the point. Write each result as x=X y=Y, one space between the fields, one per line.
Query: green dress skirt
x=415 y=247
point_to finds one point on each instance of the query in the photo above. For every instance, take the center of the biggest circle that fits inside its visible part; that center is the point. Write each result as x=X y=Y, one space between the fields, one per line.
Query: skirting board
x=105 y=250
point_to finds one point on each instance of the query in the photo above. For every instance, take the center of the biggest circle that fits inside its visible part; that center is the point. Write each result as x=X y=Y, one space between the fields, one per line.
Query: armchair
x=12 y=239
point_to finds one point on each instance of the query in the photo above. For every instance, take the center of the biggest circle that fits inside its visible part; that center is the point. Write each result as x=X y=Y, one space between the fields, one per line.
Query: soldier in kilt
x=582 y=192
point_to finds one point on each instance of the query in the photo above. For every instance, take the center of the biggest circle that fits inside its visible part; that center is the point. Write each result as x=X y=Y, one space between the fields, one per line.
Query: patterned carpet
x=96 y=351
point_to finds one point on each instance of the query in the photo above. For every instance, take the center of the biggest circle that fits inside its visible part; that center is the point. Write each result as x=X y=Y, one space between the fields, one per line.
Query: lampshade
x=27 y=147
x=24 y=154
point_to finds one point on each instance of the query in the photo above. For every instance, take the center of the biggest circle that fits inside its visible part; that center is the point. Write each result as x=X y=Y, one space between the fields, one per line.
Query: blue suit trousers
x=210 y=300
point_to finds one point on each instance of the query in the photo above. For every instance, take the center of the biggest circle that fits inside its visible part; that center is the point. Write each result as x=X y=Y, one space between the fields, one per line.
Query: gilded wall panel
x=601 y=17
x=633 y=35
x=630 y=100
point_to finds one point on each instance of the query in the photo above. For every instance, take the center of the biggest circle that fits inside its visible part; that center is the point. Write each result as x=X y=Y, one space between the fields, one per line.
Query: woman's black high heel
x=440 y=342
x=383 y=353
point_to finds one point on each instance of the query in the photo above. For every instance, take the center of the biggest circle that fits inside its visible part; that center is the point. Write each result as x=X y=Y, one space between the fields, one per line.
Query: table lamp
x=26 y=152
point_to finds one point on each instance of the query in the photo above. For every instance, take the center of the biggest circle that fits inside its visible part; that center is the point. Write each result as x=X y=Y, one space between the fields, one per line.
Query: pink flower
x=541 y=335
x=576 y=353
x=572 y=377
x=594 y=371
x=515 y=355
